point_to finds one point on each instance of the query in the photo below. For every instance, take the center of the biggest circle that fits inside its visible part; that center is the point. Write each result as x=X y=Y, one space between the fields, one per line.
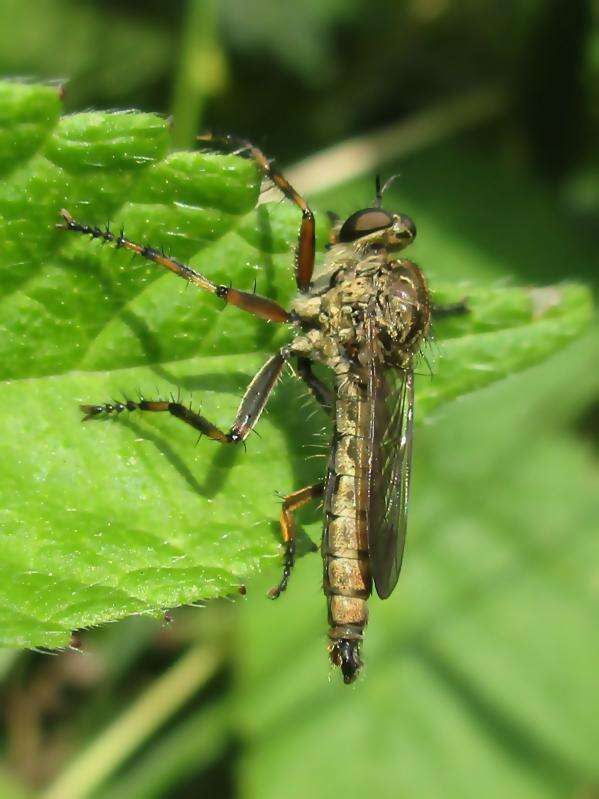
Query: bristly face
x=394 y=231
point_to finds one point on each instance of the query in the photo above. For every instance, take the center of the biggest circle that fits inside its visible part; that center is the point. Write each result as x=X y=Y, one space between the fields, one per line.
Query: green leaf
x=27 y=114
x=504 y=331
x=106 y=520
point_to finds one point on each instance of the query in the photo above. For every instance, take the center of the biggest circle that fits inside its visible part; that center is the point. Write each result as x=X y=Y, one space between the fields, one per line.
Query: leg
x=336 y=223
x=451 y=309
x=290 y=504
x=252 y=303
x=306 y=246
x=321 y=392
x=248 y=413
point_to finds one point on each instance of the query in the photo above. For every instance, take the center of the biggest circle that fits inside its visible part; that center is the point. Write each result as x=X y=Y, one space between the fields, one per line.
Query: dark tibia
x=321 y=392
x=345 y=653
x=288 y=564
x=182 y=412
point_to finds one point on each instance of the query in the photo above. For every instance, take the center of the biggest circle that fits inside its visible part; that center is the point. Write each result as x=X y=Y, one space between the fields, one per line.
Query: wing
x=391 y=425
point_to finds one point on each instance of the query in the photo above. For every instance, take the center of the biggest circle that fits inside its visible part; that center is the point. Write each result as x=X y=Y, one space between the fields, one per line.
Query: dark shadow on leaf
x=150 y=343
x=297 y=416
x=216 y=471
x=232 y=383
x=293 y=412
x=287 y=410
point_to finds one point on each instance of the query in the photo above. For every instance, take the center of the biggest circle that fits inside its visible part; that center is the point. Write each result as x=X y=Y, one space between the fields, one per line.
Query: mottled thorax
x=376 y=289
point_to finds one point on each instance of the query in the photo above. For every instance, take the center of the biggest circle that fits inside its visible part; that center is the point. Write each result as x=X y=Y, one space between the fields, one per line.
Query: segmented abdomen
x=347 y=580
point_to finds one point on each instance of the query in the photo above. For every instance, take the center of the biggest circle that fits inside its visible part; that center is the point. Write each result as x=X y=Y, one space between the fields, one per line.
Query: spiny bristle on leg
x=107 y=409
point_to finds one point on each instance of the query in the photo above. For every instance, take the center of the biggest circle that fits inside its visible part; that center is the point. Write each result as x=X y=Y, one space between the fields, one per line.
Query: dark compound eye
x=364 y=222
x=406 y=223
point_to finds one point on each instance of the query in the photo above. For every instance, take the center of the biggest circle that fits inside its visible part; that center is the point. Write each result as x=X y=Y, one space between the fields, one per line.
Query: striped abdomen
x=347 y=579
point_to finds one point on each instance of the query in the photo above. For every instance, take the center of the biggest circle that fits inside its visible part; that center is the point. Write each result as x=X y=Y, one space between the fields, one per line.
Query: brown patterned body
x=364 y=316
x=347 y=580
x=365 y=300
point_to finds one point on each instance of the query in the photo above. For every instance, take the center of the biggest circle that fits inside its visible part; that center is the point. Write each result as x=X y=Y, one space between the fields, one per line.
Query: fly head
x=377 y=226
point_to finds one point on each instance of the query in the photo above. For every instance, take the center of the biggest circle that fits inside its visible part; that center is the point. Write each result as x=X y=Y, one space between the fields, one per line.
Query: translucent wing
x=391 y=425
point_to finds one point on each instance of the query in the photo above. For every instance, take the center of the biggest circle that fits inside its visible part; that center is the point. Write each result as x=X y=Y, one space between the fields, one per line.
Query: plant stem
x=201 y=72
x=362 y=154
x=10 y=787
x=158 y=703
x=186 y=749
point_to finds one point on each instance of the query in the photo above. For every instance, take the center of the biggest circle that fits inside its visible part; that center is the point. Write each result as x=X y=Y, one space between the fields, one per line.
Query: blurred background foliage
x=482 y=668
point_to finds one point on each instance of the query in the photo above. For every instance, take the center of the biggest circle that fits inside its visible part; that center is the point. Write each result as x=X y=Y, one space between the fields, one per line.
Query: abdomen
x=347 y=580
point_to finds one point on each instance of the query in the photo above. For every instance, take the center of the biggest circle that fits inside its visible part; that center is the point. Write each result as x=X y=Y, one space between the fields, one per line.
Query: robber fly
x=364 y=315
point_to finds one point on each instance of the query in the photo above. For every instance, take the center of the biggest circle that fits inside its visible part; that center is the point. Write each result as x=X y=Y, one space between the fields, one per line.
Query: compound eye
x=406 y=223
x=364 y=222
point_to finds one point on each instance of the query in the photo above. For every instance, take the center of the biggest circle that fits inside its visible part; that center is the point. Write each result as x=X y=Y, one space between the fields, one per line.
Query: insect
x=364 y=315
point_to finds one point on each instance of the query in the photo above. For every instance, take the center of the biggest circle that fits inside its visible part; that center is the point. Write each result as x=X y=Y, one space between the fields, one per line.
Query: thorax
x=356 y=289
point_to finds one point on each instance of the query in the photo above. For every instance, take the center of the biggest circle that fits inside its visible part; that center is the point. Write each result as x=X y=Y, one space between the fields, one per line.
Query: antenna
x=378 y=202
x=379 y=193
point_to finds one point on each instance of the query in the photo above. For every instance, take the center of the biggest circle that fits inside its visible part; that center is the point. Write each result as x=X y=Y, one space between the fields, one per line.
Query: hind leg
x=291 y=503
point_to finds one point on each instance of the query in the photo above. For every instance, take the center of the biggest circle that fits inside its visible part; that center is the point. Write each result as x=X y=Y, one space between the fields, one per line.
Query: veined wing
x=390 y=435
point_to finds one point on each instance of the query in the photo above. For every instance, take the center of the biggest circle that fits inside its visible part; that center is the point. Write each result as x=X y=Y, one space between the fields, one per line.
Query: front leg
x=306 y=244
x=249 y=411
x=262 y=307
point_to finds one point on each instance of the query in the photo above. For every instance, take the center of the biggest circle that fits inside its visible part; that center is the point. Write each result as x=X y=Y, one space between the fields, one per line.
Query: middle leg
x=249 y=411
